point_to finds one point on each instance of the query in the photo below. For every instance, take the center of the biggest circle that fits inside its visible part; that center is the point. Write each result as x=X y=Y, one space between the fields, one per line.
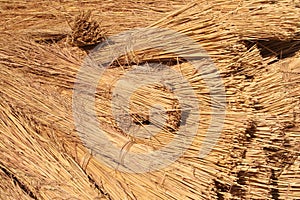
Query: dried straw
x=256 y=156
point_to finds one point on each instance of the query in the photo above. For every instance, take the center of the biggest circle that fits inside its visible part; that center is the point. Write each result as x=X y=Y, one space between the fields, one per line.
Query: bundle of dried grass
x=53 y=21
x=44 y=173
x=40 y=115
x=254 y=158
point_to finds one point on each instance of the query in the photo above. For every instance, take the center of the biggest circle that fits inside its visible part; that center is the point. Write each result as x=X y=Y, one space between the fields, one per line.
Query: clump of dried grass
x=86 y=32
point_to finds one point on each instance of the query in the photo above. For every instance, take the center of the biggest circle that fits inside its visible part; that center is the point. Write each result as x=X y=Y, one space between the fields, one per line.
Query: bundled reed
x=257 y=154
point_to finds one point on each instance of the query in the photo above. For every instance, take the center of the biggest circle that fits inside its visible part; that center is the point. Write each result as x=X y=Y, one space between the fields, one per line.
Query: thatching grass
x=257 y=155
x=10 y=189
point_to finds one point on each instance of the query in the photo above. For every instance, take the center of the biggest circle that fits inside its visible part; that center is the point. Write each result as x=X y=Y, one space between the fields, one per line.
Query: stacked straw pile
x=255 y=46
